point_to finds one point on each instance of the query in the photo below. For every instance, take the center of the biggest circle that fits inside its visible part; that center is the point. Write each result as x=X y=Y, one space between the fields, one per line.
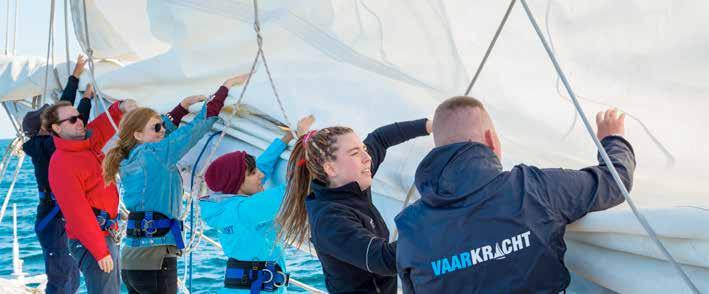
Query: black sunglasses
x=158 y=127
x=72 y=119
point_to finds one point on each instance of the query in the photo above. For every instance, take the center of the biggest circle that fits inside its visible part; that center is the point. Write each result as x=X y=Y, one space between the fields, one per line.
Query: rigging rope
x=489 y=48
x=66 y=37
x=234 y=110
x=92 y=69
x=14 y=28
x=604 y=155
x=50 y=45
x=412 y=189
x=7 y=27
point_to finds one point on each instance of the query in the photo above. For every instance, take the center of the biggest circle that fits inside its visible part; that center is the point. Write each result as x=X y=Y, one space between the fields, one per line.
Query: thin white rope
x=66 y=37
x=50 y=40
x=92 y=70
x=15 y=27
x=7 y=157
x=20 y=161
x=490 y=47
x=604 y=155
x=7 y=27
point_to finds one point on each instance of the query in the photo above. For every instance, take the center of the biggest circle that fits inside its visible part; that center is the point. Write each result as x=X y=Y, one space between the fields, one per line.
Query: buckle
x=147 y=226
x=101 y=221
x=270 y=278
x=115 y=234
x=285 y=279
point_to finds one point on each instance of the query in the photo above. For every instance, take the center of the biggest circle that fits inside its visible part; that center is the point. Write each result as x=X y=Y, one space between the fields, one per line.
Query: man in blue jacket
x=479 y=229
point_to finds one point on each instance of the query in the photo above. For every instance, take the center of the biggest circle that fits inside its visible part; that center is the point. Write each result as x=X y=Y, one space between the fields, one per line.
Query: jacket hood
x=451 y=173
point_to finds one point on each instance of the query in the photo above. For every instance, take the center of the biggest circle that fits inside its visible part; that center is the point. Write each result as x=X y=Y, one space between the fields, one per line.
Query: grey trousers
x=98 y=282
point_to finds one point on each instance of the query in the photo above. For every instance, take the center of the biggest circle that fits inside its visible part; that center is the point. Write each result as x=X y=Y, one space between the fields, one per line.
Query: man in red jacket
x=89 y=206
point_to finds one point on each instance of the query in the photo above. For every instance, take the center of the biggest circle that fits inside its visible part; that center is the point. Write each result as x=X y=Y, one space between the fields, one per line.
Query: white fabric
x=368 y=63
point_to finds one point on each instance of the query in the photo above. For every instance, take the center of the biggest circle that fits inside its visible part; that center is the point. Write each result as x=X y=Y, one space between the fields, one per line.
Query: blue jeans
x=62 y=272
x=97 y=281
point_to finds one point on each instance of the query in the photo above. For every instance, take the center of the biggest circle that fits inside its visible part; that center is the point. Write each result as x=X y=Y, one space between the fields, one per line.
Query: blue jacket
x=477 y=229
x=347 y=231
x=247 y=230
x=150 y=179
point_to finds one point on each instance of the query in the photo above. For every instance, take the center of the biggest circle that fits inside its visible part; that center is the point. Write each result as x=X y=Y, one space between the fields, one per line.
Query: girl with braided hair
x=329 y=201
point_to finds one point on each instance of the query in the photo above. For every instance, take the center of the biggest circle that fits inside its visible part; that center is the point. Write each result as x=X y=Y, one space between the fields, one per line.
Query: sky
x=32 y=36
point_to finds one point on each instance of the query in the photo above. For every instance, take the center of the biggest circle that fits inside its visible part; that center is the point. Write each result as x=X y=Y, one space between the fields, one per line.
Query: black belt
x=151 y=224
x=255 y=275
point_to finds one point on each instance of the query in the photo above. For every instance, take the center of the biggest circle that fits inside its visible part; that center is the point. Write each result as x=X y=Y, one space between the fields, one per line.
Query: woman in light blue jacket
x=145 y=157
x=244 y=214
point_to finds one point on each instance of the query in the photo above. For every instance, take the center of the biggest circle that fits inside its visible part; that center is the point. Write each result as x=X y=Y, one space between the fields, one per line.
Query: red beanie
x=227 y=173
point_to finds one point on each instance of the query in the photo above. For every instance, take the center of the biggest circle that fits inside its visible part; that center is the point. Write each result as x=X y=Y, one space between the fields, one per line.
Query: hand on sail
x=303 y=127
x=89 y=93
x=610 y=123
x=237 y=80
x=79 y=68
x=128 y=105
x=189 y=101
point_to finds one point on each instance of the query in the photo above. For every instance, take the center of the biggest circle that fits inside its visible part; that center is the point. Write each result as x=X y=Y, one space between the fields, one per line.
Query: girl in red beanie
x=244 y=214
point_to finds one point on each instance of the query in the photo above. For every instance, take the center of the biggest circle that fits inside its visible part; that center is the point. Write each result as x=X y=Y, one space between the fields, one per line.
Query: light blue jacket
x=247 y=230
x=150 y=179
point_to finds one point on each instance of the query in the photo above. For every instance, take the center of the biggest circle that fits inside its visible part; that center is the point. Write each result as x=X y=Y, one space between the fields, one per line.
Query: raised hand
x=610 y=123
x=304 y=125
x=128 y=105
x=189 y=101
x=89 y=93
x=237 y=80
x=80 y=64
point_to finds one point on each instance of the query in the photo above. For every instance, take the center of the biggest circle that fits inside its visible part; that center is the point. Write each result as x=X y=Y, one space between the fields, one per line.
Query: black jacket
x=348 y=233
x=479 y=229
x=41 y=147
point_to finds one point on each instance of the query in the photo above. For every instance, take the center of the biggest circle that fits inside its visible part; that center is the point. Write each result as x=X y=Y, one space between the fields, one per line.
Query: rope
x=200 y=176
x=412 y=189
x=8 y=156
x=14 y=34
x=604 y=155
x=66 y=36
x=7 y=26
x=409 y=195
x=50 y=44
x=489 y=48
x=259 y=41
x=92 y=69
x=21 y=159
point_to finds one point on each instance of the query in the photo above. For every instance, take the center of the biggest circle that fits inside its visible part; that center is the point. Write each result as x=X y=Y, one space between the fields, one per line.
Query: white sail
x=367 y=63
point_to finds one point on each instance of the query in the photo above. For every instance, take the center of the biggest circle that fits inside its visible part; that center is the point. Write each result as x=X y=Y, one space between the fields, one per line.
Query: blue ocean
x=207 y=263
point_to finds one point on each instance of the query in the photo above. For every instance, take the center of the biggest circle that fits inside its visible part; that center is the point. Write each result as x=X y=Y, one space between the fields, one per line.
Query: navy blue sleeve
x=571 y=194
x=341 y=234
x=84 y=109
x=387 y=136
x=69 y=93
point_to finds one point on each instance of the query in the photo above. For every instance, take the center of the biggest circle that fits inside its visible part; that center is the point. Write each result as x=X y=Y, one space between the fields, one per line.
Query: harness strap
x=41 y=225
x=105 y=222
x=256 y=276
x=152 y=225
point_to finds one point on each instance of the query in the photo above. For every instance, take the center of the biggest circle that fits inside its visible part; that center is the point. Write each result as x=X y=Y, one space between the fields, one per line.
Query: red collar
x=72 y=145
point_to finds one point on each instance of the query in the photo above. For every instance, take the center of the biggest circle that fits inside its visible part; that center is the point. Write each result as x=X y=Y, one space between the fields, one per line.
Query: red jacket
x=75 y=176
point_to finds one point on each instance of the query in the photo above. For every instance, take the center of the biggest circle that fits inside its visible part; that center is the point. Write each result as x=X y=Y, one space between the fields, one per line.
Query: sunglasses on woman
x=72 y=119
x=158 y=127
